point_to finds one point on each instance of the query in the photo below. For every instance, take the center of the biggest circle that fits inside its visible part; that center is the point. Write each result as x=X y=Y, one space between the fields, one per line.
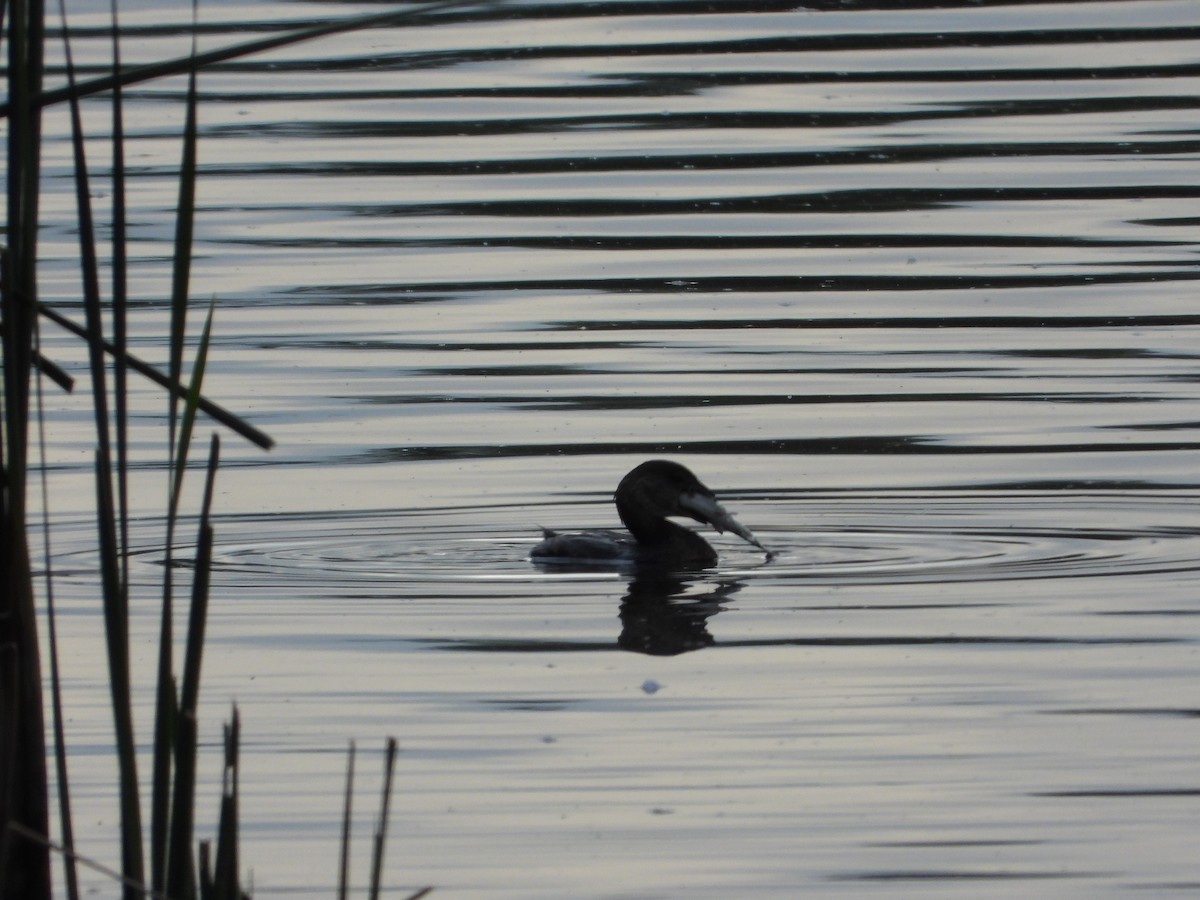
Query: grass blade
x=212 y=410
x=116 y=629
x=180 y=279
x=115 y=598
x=385 y=801
x=120 y=297
x=188 y=421
x=180 y=875
x=87 y=862
x=168 y=68
x=87 y=255
x=225 y=877
x=180 y=878
x=344 y=856
x=24 y=863
x=66 y=824
x=207 y=890
x=164 y=872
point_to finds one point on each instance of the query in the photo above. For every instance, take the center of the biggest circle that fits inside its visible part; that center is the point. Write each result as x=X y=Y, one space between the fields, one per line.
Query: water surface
x=911 y=285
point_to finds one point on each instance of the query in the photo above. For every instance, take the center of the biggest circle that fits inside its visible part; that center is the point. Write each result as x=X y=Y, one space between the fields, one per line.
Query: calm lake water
x=913 y=286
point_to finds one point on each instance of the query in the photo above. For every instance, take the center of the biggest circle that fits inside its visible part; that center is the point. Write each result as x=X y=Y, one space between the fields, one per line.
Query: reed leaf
x=344 y=856
x=43 y=365
x=165 y=730
x=180 y=880
x=225 y=884
x=385 y=801
x=206 y=889
x=53 y=372
x=179 y=66
x=188 y=420
x=218 y=871
x=24 y=807
x=214 y=411
x=87 y=862
x=179 y=875
x=132 y=836
x=120 y=298
x=66 y=822
x=116 y=615
x=181 y=270
x=116 y=628
x=164 y=873
x=89 y=266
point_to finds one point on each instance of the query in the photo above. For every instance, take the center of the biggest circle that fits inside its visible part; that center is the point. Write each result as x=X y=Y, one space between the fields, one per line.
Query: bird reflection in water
x=661 y=617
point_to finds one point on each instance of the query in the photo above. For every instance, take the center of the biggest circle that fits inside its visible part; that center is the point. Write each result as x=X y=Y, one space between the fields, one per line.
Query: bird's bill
x=704 y=508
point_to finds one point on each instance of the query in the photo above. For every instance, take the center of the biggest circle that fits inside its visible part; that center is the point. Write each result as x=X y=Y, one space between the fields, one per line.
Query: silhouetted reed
x=174 y=868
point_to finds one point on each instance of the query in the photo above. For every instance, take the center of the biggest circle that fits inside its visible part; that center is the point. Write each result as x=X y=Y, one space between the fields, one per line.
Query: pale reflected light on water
x=911 y=287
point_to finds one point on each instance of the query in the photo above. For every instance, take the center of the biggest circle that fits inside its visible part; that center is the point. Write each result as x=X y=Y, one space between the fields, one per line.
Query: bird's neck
x=658 y=536
x=647 y=526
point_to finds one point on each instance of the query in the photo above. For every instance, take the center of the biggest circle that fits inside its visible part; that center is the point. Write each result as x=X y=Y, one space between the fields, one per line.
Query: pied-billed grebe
x=645 y=498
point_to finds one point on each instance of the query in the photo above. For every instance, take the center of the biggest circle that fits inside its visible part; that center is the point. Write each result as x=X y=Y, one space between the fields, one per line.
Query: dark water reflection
x=911 y=285
x=659 y=617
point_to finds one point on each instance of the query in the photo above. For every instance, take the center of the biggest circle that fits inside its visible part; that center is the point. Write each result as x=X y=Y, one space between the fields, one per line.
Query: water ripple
x=842 y=540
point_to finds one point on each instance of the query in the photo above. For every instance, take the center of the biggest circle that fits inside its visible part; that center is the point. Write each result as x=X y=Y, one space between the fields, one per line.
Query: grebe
x=645 y=498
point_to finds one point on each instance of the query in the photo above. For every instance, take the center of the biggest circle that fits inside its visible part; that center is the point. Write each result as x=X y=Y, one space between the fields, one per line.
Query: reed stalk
x=385 y=800
x=24 y=862
x=347 y=806
x=114 y=587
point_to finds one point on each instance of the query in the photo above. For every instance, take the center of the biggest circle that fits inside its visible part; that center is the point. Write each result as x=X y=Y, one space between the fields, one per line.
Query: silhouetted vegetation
x=163 y=859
